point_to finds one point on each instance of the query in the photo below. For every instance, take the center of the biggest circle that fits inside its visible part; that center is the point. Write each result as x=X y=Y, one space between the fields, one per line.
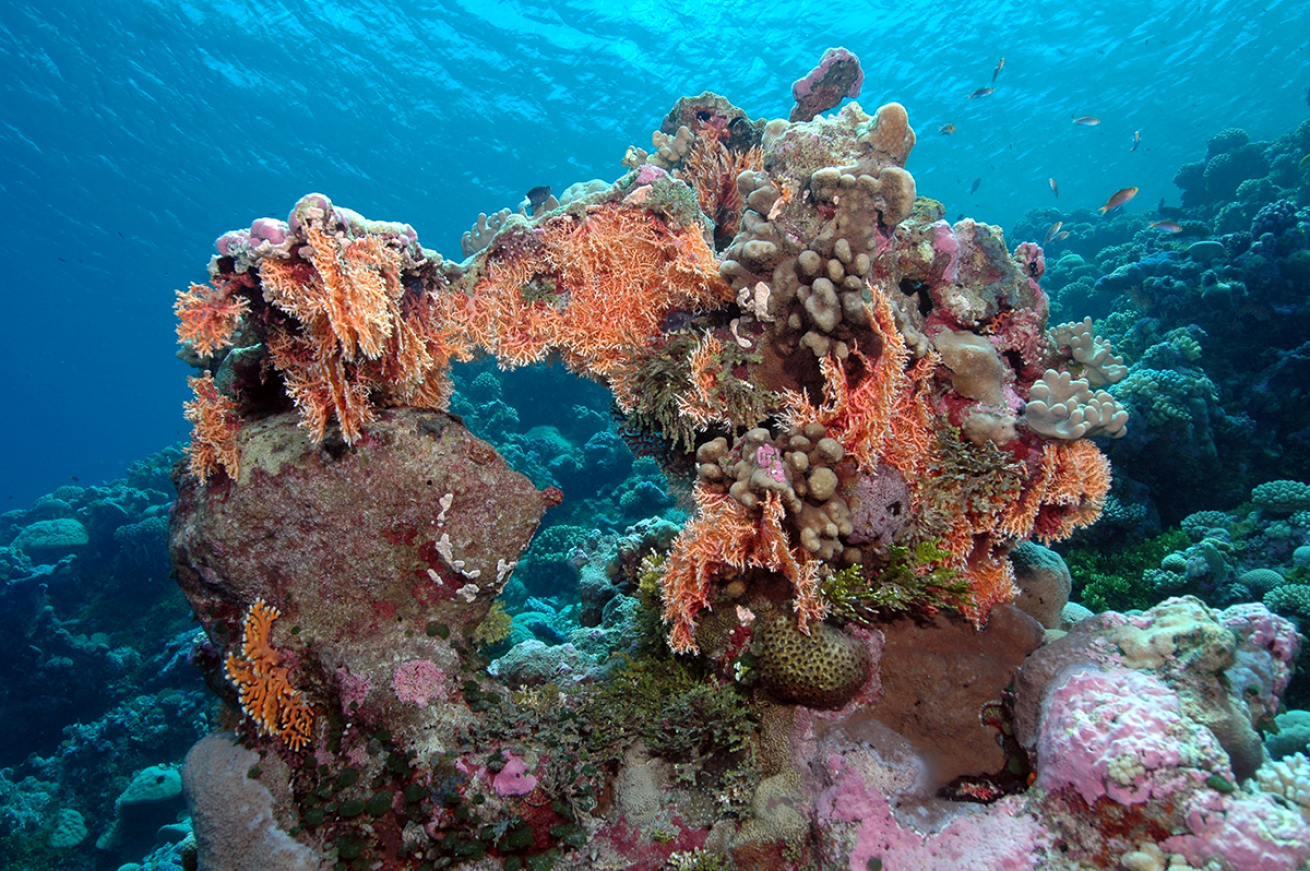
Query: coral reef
x=867 y=414
x=1206 y=303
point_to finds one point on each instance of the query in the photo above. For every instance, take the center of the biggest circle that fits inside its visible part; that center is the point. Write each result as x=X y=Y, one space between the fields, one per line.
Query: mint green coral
x=1163 y=396
x=1292 y=600
x=897 y=587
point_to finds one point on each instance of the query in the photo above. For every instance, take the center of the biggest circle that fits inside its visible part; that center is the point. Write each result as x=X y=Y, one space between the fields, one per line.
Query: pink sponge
x=999 y=836
x=1120 y=733
x=514 y=778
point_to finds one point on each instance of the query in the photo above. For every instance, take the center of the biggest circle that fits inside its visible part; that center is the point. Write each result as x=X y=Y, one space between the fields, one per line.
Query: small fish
x=946 y=129
x=1055 y=228
x=982 y=92
x=996 y=72
x=974 y=187
x=1166 y=227
x=1118 y=199
x=1064 y=234
x=1087 y=121
x=1305 y=161
x=74 y=478
x=1055 y=188
x=538 y=196
x=1137 y=140
x=1170 y=211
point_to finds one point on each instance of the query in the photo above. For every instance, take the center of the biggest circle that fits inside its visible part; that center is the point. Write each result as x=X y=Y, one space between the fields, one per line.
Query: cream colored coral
x=1061 y=407
x=1149 y=857
x=1289 y=778
x=481 y=234
x=669 y=150
x=1100 y=364
x=1184 y=625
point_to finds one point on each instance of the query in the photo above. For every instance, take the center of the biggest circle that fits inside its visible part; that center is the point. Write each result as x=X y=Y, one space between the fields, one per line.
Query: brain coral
x=823 y=669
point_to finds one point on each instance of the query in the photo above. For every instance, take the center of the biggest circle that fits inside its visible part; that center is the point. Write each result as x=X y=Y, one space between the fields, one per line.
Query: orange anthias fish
x=1118 y=199
x=996 y=72
x=1055 y=188
x=946 y=129
x=982 y=92
x=1137 y=140
x=1166 y=227
x=1055 y=228
x=1087 y=121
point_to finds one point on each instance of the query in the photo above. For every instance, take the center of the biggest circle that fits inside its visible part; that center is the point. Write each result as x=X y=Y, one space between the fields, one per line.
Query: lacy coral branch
x=208 y=316
x=215 y=422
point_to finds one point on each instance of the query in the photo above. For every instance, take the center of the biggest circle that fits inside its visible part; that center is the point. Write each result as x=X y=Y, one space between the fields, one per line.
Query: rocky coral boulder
x=377 y=556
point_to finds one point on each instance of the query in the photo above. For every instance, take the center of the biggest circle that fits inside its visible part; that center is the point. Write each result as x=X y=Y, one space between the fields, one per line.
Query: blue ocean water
x=134 y=133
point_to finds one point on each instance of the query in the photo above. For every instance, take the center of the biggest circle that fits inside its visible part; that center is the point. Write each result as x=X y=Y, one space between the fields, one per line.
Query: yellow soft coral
x=261 y=681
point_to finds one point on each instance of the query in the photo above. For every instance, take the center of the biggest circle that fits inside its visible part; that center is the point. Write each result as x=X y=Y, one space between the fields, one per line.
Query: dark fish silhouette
x=973 y=188
x=1170 y=211
x=538 y=195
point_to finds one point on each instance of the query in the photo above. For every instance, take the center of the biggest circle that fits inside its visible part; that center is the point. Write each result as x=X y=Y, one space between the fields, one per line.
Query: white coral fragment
x=1101 y=365
x=1062 y=407
x=1289 y=778
x=756 y=300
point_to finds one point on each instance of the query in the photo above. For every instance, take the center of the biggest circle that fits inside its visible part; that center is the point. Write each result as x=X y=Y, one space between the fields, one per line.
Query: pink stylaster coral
x=419 y=681
x=514 y=778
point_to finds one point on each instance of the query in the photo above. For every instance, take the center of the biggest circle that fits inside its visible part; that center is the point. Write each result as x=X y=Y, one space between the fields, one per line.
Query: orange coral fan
x=712 y=169
x=860 y=418
x=725 y=534
x=1066 y=491
x=208 y=315
x=1076 y=490
x=360 y=340
x=261 y=681
x=699 y=403
x=912 y=440
x=721 y=535
x=596 y=292
x=991 y=581
x=214 y=427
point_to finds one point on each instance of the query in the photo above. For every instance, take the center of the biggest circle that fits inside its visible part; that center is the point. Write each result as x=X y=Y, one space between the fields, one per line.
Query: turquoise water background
x=133 y=133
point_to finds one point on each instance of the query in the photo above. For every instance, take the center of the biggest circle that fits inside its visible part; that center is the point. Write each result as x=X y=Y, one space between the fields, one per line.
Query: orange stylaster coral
x=207 y=316
x=698 y=401
x=1076 y=491
x=712 y=169
x=261 y=681
x=991 y=581
x=720 y=535
x=215 y=423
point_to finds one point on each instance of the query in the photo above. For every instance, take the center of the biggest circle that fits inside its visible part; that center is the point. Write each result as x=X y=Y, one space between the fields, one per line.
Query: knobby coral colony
x=850 y=371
